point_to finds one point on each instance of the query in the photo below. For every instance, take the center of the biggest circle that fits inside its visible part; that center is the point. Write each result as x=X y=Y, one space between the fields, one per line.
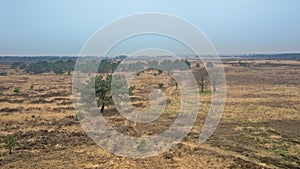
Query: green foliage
x=152 y=64
x=166 y=65
x=31 y=87
x=18 y=65
x=209 y=64
x=79 y=116
x=58 y=67
x=3 y=73
x=103 y=89
x=159 y=71
x=106 y=66
x=142 y=144
x=201 y=75
x=17 y=90
x=160 y=85
x=136 y=67
x=181 y=65
x=187 y=63
x=131 y=89
x=10 y=142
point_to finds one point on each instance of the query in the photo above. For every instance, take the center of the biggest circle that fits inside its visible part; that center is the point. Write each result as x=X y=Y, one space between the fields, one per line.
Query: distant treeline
x=105 y=66
x=110 y=66
x=281 y=56
x=31 y=59
x=28 y=59
x=58 y=67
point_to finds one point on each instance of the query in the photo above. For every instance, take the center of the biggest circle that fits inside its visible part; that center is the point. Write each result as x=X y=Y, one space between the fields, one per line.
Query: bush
x=160 y=85
x=131 y=89
x=209 y=64
x=79 y=116
x=16 y=90
x=3 y=73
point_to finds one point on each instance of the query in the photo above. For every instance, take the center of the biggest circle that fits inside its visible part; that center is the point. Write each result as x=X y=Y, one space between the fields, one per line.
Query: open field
x=259 y=128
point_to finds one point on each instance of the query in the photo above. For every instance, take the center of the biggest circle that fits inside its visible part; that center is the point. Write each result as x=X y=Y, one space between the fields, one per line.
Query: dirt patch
x=10 y=110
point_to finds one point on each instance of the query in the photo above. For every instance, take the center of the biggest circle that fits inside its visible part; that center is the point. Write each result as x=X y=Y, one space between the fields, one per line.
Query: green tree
x=202 y=78
x=10 y=142
x=18 y=65
x=58 y=67
x=187 y=63
x=103 y=90
x=167 y=65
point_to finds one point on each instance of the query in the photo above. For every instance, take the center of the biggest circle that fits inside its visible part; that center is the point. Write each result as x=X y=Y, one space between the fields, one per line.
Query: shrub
x=142 y=145
x=3 y=73
x=160 y=85
x=79 y=116
x=209 y=64
x=16 y=90
x=131 y=89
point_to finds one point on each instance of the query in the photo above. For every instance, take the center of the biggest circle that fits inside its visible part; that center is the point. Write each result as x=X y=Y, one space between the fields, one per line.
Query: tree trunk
x=10 y=151
x=102 y=108
x=214 y=86
x=202 y=84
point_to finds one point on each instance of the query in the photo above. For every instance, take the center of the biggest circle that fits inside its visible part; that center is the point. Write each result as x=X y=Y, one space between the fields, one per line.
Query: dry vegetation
x=259 y=128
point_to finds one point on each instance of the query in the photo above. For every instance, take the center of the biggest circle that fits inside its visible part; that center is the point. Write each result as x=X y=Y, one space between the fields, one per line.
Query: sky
x=62 y=27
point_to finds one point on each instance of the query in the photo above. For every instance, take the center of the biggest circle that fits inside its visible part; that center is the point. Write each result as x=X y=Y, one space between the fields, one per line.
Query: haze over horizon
x=61 y=28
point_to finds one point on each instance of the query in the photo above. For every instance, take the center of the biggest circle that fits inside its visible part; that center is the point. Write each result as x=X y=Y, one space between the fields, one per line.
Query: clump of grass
x=142 y=144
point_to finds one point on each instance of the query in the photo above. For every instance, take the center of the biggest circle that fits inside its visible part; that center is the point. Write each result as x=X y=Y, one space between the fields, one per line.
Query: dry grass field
x=260 y=127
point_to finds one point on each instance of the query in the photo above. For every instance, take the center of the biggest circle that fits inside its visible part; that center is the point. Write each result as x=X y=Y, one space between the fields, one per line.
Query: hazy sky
x=61 y=27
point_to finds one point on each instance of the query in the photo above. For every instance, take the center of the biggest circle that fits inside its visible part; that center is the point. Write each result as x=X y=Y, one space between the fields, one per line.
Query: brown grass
x=259 y=128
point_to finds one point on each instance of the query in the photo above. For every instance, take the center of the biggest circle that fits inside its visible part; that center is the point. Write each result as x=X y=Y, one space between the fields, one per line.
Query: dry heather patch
x=258 y=129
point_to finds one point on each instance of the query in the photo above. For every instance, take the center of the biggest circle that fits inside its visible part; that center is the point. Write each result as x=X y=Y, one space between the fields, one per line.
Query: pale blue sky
x=61 y=27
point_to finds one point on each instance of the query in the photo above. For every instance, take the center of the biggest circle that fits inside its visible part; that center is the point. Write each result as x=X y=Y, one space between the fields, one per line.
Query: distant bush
x=209 y=64
x=17 y=90
x=160 y=85
x=58 y=67
x=131 y=89
x=3 y=73
x=79 y=116
x=18 y=65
